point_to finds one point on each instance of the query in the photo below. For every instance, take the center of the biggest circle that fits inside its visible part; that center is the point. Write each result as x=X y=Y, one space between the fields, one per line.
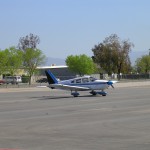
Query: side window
x=72 y=81
x=78 y=81
x=85 y=80
x=92 y=79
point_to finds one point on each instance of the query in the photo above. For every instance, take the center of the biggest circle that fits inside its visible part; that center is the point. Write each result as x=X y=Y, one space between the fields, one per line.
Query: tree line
x=109 y=56
x=24 y=56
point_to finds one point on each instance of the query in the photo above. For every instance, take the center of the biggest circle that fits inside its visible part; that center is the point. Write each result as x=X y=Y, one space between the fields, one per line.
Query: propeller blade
x=112 y=86
x=110 y=83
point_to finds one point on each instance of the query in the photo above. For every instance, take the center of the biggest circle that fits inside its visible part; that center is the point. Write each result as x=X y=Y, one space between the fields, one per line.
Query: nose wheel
x=93 y=92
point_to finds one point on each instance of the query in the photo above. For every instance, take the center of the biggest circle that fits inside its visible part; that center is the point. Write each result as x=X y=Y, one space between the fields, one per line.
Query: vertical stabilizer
x=50 y=77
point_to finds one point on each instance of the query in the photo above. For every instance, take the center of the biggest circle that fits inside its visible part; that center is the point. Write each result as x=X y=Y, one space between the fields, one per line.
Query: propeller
x=110 y=83
x=112 y=86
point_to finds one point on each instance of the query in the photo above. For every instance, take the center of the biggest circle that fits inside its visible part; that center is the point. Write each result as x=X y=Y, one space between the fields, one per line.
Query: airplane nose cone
x=109 y=82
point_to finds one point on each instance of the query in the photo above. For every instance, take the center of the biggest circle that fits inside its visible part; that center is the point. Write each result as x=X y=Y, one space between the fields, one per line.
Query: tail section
x=50 y=77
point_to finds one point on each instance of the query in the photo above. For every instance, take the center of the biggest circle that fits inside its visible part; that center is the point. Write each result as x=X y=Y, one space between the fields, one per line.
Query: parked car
x=42 y=80
x=13 y=79
x=2 y=82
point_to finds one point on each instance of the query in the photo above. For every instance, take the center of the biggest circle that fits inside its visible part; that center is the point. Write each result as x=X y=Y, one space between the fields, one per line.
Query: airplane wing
x=68 y=87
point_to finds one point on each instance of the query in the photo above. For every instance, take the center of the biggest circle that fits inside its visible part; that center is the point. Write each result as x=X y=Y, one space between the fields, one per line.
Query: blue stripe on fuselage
x=82 y=84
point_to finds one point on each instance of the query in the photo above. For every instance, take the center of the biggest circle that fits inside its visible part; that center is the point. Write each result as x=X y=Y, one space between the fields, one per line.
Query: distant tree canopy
x=3 y=61
x=113 y=55
x=14 y=60
x=27 y=56
x=32 y=57
x=142 y=64
x=80 y=64
x=29 y=41
x=10 y=60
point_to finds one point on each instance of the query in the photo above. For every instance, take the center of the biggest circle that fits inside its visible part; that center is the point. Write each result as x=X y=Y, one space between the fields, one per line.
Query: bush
x=25 y=79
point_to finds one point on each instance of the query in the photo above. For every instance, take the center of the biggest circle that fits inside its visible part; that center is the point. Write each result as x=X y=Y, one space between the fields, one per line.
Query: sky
x=73 y=27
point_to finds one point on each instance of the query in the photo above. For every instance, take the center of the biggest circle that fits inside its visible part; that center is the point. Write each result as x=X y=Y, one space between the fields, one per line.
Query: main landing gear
x=103 y=93
x=76 y=94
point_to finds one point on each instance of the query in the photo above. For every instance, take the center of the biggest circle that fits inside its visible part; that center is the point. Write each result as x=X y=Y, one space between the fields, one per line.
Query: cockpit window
x=72 y=81
x=78 y=81
x=92 y=79
x=85 y=80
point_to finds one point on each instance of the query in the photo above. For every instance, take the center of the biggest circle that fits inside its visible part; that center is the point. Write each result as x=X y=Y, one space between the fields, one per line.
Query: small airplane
x=85 y=83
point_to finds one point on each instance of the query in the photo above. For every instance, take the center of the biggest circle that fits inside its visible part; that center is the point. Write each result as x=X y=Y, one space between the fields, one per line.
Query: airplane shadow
x=62 y=97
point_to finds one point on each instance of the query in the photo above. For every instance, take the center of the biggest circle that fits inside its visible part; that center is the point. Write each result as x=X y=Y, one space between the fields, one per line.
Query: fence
x=135 y=76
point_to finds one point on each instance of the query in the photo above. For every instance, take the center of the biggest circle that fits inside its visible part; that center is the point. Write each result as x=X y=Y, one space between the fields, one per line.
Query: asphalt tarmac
x=53 y=120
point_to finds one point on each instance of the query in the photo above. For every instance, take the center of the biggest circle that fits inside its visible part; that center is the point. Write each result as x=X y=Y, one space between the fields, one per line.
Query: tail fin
x=50 y=77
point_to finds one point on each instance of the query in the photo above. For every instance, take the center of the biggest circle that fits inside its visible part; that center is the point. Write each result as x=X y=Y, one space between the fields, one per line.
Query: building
x=61 y=72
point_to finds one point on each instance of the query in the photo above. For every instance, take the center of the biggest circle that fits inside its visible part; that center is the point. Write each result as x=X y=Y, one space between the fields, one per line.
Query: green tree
x=32 y=57
x=80 y=64
x=14 y=60
x=142 y=64
x=113 y=55
x=3 y=61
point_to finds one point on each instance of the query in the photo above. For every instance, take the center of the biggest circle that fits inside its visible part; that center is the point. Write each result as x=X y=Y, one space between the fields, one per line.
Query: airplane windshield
x=78 y=81
x=73 y=81
x=92 y=79
x=85 y=80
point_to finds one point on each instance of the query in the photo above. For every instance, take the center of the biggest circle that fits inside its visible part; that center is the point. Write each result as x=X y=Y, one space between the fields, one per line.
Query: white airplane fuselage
x=87 y=82
x=84 y=83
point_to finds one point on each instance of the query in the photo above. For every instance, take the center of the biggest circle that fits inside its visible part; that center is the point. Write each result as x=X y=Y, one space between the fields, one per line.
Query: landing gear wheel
x=75 y=94
x=93 y=93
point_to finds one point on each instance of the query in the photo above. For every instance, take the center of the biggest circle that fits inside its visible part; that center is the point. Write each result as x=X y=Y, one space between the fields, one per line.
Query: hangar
x=61 y=72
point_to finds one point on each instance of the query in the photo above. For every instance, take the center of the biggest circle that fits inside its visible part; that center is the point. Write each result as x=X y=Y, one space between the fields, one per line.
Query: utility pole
x=149 y=52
